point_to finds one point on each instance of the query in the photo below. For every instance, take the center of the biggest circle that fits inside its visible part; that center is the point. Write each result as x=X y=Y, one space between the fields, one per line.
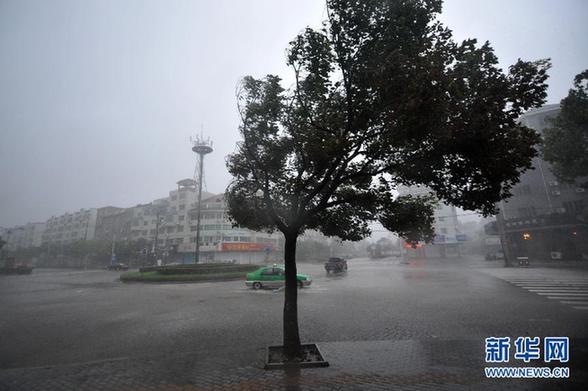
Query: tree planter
x=311 y=358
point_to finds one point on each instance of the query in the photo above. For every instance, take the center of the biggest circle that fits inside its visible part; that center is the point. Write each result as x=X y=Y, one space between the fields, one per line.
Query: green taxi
x=273 y=277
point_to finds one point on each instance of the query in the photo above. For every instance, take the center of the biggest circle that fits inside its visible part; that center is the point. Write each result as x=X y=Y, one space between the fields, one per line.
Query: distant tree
x=566 y=140
x=312 y=249
x=382 y=248
x=383 y=96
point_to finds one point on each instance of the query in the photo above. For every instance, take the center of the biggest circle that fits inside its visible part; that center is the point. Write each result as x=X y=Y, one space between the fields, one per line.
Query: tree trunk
x=292 y=346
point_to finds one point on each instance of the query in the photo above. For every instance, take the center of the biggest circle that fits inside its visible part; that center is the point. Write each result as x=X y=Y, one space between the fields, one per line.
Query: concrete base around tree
x=311 y=358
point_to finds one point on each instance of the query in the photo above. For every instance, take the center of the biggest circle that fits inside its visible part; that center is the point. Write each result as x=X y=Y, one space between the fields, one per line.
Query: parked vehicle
x=273 y=277
x=494 y=256
x=336 y=265
x=523 y=261
x=117 y=267
x=10 y=266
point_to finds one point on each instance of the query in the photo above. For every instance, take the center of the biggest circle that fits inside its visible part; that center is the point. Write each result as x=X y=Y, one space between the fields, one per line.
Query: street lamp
x=158 y=221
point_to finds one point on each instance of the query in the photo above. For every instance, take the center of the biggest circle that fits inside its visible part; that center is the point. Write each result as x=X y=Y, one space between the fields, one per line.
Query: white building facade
x=23 y=236
x=446 y=243
x=170 y=225
x=70 y=227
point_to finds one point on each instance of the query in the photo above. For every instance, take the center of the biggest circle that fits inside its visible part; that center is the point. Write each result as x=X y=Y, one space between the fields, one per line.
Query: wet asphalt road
x=56 y=317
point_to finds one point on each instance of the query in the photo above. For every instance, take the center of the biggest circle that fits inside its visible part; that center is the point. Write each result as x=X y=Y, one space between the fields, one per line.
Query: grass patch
x=154 y=276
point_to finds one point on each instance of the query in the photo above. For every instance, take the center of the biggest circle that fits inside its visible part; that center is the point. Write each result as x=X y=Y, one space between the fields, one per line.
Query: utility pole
x=157 y=222
x=112 y=253
x=502 y=233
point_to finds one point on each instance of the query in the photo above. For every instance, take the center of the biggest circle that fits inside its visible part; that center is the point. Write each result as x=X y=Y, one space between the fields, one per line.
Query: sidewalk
x=364 y=365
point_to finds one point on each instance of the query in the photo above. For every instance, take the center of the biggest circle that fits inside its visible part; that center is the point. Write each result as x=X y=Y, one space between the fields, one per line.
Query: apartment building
x=167 y=224
x=221 y=241
x=167 y=221
x=23 y=236
x=71 y=227
x=113 y=223
x=545 y=218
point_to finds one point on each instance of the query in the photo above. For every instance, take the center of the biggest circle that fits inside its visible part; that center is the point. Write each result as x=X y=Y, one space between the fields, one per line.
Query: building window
x=527 y=212
x=181 y=217
x=193 y=228
x=523 y=190
x=182 y=207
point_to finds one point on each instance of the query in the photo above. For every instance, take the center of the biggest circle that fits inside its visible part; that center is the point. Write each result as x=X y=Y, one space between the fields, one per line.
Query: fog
x=98 y=99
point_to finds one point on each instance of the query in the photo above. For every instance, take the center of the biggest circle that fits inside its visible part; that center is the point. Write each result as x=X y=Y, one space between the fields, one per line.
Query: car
x=494 y=256
x=273 y=277
x=336 y=265
x=117 y=266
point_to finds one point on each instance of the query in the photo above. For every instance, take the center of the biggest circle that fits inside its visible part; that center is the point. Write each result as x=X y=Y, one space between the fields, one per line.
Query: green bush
x=154 y=276
x=203 y=268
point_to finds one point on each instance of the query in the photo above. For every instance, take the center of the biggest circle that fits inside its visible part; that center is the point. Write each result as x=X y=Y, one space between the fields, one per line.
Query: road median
x=189 y=273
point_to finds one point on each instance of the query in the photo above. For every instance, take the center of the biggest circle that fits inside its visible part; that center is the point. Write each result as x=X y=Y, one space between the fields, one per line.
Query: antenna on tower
x=201 y=147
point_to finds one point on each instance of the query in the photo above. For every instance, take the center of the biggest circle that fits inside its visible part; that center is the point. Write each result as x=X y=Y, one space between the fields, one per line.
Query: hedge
x=154 y=276
x=201 y=268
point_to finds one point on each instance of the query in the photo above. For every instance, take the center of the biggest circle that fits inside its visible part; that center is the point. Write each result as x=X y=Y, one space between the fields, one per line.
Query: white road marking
x=553 y=287
x=571 y=291
x=579 y=282
x=558 y=284
x=561 y=294
x=549 y=283
x=559 y=290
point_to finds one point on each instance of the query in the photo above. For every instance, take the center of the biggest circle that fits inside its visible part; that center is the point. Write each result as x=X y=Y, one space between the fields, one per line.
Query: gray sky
x=98 y=99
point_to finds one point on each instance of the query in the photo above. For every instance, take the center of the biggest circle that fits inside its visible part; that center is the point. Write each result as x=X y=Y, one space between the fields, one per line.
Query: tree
x=383 y=96
x=566 y=140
